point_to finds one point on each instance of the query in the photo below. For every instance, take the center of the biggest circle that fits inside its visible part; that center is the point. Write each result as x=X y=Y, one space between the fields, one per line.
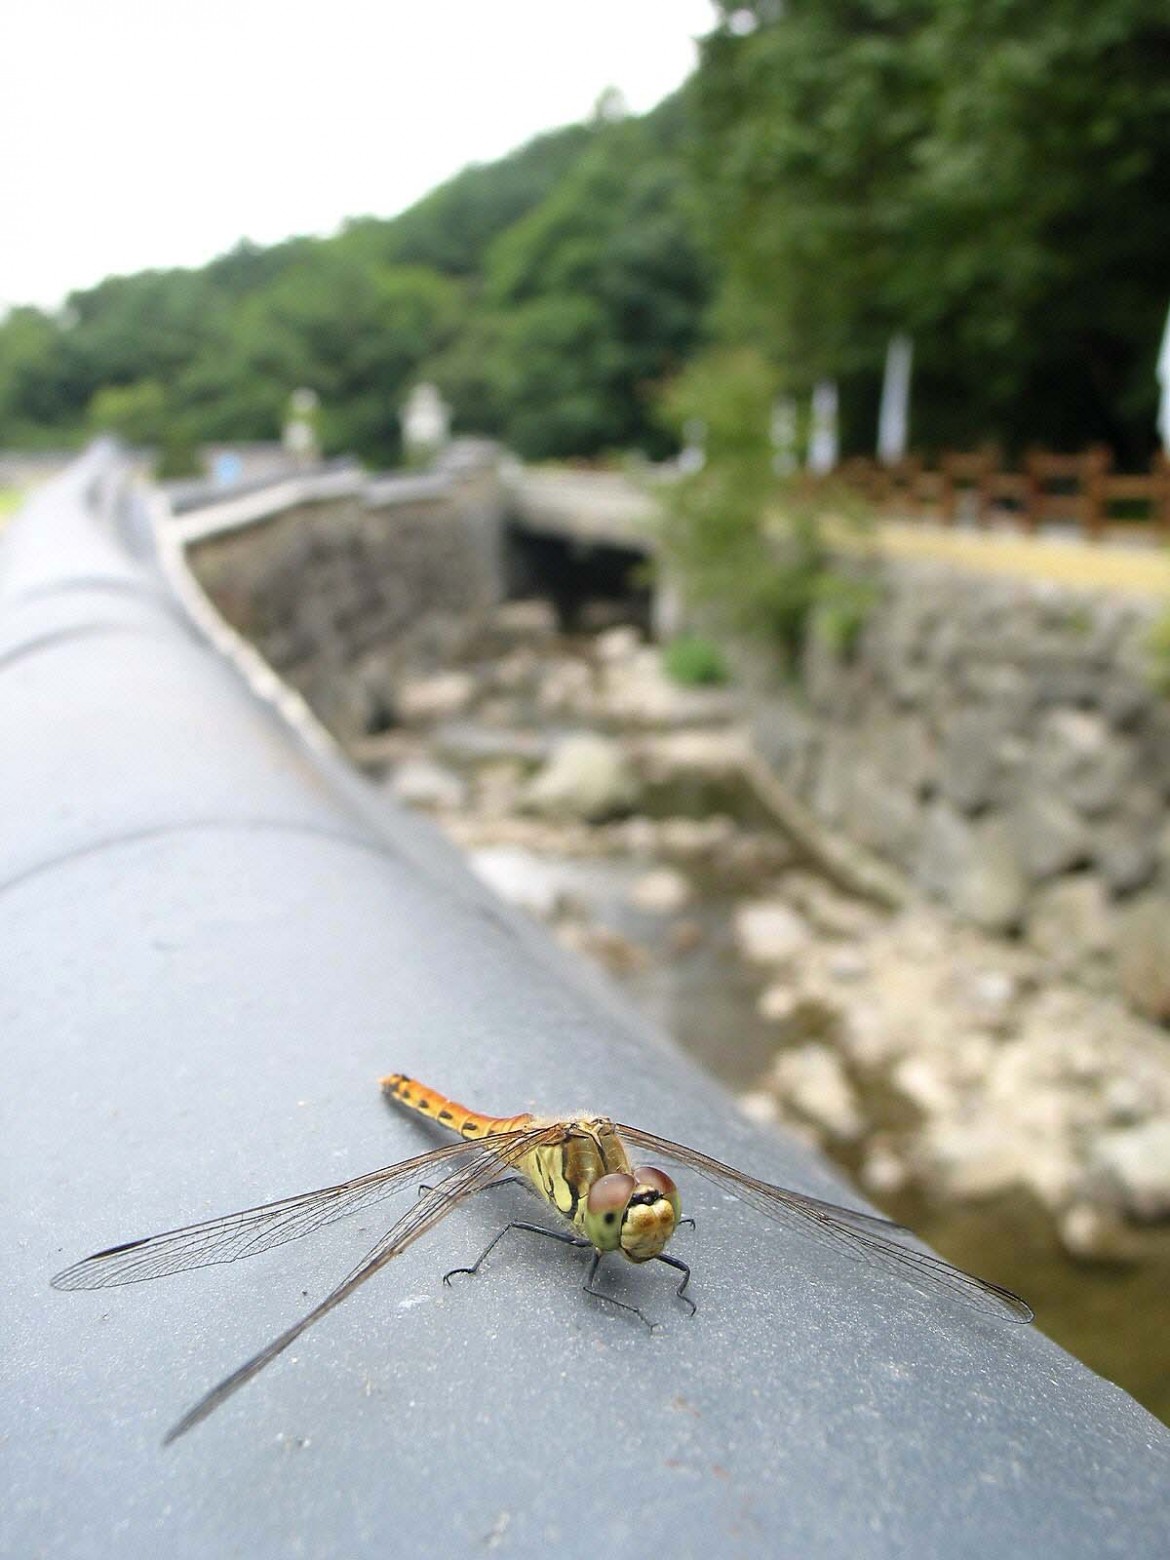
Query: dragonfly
x=580 y=1166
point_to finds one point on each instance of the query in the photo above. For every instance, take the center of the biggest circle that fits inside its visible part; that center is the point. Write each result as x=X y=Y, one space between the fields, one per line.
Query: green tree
x=137 y=413
x=989 y=177
x=452 y=228
x=602 y=289
x=356 y=333
x=35 y=397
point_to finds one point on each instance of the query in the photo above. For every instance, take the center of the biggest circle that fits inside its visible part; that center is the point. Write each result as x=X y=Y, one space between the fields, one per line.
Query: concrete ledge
x=215 y=939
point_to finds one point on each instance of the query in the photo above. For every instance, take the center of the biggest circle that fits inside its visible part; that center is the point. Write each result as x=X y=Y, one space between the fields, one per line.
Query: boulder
x=521 y=877
x=1050 y=836
x=1092 y=1233
x=883 y=815
x=566 y=686
x=420 y=783
x=423 y=699
x=530 y=619
x=944 y=849
x=1143 y=941
x=970 y=765
x=617 y=644
x=637 y=690
x=662 y=891
x=778 y=1003
x=1135 y=1162
x=1070 y=923
x=768 y=931
x=1127 y=843
x=587 y=777
x=1083 y=760
x=906 y=752
x=813 y=1081
x=990 y=889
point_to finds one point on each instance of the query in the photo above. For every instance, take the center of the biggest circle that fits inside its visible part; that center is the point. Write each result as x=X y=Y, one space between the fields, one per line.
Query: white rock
x=847 y=964
x=718 y=750
x=778 y=1004
x=992 y=991
x=883 y=1170
x=660 y=892
x=1124 y=1101
x=617 y=644
x=638 y=690
x=812 y=1080
x=420 y=783
x=694 y=836
x=497 y=790
x=983 y=1157
x=1093 y=1233
x=1137 y=1161
x=924 y=1081
x=768 y=931
x=586 y=777
x=517 y=670
x=872 y=1036
x=434 y=698
x=641 y=836
x=759 y=1106
x=520 y=877
x=566 y=685
x=971 y=1057
x=975 y=1159
x=533 y=618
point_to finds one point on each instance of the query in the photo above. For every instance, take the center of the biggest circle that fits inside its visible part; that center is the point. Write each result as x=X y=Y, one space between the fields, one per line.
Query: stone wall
x=1003 y=744
x=344 y=596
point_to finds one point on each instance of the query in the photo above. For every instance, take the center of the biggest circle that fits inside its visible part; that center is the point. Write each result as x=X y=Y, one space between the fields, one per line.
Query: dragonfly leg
x=682 y=1268
x=687 y=1220
x=598 y=1294
x=536 y=1229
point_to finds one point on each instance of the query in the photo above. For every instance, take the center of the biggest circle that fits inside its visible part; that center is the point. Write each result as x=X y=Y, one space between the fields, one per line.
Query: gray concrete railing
x=214 y=939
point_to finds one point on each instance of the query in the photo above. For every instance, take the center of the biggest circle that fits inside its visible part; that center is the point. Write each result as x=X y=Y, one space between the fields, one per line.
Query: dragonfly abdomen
x=458 y=1118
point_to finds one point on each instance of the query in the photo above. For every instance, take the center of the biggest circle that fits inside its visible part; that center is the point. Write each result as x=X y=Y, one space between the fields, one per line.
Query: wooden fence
x=1081 y=491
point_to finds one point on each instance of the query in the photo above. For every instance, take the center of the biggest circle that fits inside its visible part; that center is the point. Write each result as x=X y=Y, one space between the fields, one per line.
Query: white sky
x=134 y=133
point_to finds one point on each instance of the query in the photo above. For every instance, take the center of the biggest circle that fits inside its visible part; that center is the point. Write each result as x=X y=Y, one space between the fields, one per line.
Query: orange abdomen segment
x=429 y=1102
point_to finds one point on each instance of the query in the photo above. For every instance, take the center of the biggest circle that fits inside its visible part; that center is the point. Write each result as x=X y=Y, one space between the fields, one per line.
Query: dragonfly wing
x=236 y=1235
x=488 y=1156
x=861 y=1235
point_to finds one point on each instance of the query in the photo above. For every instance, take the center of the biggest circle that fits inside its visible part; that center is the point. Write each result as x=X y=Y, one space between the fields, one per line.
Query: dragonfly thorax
x=635 y=1213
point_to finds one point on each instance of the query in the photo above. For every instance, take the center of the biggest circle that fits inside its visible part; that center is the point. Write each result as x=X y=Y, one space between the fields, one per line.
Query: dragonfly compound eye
x=609 y=1197
x=648 y=1176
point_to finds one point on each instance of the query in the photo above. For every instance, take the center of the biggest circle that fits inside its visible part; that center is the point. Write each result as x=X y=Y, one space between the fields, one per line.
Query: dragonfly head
x=634 y=1214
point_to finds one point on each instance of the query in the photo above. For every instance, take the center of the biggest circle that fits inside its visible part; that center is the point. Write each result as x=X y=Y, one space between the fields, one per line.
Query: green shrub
x=1158 y=647
x=749 y=548
x=694 y=661
x=843 y=607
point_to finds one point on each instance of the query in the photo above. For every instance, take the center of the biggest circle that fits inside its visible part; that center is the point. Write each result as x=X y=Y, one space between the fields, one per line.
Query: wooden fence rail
x=1074 y=490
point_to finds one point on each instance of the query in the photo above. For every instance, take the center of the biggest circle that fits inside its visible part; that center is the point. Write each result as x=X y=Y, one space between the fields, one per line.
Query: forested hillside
x=548 y=294
x=991 y=181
